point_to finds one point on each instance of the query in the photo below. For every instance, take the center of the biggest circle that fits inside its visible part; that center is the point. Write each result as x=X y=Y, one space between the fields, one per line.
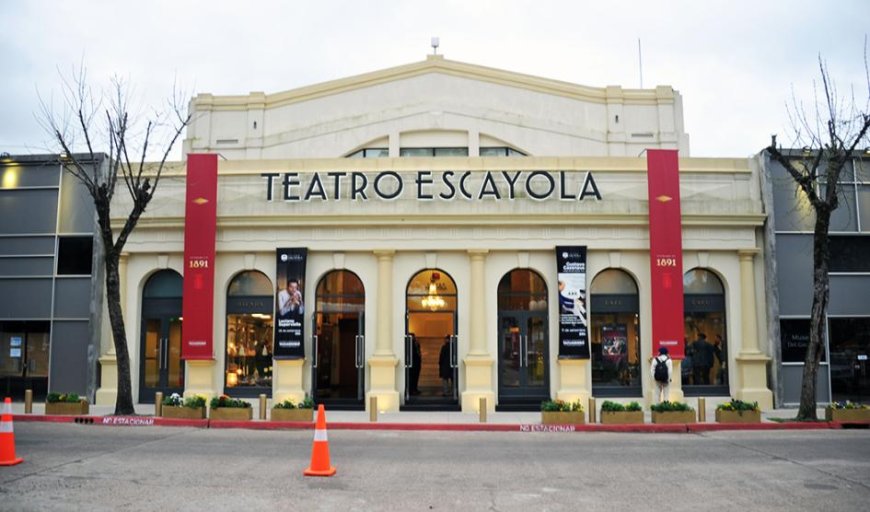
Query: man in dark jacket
x=702 y=359
x=445 y=371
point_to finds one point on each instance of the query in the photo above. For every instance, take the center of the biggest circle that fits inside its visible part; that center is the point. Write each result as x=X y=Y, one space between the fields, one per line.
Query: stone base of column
x=752 y=369
x=108 y=392
x=382 y=371
x=200 y=378
x=573 y=376
x=478 y=384
x=287 y=380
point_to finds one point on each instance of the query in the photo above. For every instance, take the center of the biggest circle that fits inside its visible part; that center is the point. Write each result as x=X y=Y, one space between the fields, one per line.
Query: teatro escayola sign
x=430 y=185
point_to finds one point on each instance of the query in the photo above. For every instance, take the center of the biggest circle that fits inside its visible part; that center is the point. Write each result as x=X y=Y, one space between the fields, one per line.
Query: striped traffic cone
x=7 y=437
x=320 y=451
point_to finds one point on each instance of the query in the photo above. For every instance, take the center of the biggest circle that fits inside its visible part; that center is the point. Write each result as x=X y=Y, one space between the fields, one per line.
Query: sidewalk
x=413 y=420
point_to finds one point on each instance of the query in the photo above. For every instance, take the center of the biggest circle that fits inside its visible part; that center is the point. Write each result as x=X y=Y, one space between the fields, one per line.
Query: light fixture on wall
x=433 y=301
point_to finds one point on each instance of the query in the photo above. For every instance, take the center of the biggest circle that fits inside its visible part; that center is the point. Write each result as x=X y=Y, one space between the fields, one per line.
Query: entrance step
x=519 y=404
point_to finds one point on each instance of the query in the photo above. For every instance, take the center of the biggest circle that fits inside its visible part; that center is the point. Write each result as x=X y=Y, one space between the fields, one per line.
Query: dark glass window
x=74 y=255
x=850 y=253
x=850 y=358
x=794 y=334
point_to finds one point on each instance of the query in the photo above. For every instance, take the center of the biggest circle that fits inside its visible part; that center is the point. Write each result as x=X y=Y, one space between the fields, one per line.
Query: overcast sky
x=735 y=62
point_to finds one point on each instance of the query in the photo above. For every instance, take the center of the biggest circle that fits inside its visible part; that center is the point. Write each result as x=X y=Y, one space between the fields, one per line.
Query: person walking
x=662 y=369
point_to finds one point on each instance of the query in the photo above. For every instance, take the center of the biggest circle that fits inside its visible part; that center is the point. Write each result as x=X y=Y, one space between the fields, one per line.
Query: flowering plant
x=54 y=398
x=288 y=404
x=226 y=401
x=848 y=405
x=667 y=406
x=561 y=406
x=193 y=402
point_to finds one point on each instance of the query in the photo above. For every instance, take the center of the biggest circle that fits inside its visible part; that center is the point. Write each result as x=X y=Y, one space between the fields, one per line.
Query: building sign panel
x=429 y=186
x=200 y=216
x=573 y=332
x=666 y=251
x=289 y=304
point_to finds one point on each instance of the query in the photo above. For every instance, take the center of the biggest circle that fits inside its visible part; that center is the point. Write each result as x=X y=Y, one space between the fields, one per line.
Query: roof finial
x=435 y=43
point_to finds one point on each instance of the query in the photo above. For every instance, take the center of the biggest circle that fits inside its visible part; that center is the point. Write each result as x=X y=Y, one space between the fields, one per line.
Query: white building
x=430 y=198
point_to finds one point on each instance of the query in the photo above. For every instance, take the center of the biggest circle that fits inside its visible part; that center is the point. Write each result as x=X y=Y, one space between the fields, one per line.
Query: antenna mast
x=640 y=62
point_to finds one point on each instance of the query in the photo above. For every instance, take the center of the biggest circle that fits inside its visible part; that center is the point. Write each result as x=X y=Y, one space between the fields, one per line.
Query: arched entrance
x=431 y=355
x=160 y=364
x=248 y=370
x=704 y=369
x=338 y=368
x=615 y=334
x=523 y=355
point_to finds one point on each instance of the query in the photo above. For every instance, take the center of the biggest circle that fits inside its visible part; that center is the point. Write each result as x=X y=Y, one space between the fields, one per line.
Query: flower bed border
x=563 y=417
x=723 y=416
x=231 y=413
x=279 y=414
x=847 y=415
x=67 y=408
x=669 y=417
x=621 y=417
x=181 y=412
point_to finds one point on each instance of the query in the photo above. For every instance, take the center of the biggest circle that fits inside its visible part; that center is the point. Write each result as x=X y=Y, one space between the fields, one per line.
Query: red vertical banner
x=666 y=251
x=200 y=226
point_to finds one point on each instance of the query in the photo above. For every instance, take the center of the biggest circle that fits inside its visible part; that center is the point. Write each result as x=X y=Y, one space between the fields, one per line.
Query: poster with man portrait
x=289 y=304
x=573 y=332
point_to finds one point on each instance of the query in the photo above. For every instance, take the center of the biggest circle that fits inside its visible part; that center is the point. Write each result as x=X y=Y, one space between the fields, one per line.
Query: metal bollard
x=702 y=409
x=373 y=409
x=482 y=410
x=28 y=401
x=592 y=413
x=158 y=403
x=262 y=406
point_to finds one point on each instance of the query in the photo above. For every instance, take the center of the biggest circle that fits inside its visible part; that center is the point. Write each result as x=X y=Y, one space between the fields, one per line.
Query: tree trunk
x=821 y=294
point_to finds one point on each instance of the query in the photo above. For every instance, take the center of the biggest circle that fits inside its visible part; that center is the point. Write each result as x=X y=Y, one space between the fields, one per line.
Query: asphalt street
x=78 y=467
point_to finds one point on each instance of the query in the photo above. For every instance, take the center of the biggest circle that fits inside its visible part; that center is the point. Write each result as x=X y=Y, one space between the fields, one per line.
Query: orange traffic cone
x=320 y=451
x=7 y=437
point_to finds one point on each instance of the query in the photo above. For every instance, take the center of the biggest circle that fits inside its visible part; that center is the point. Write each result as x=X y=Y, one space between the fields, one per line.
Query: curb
x=677 y=428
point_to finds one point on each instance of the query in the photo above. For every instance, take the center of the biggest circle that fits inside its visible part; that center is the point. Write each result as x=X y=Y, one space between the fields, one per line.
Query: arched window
x=250 y=299
x=704 y=370
x=615 y=334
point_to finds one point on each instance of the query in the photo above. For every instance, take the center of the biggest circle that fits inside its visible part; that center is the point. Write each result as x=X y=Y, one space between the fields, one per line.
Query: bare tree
x=82 y=120
x=827 y=137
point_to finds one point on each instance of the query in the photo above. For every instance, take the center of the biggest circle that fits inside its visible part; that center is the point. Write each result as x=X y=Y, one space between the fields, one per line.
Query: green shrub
x=848 y=405
x=307 y=403
x=226 y=401
x=738 y=405
x=54 y=398
x=561 y=406
x=610 y=406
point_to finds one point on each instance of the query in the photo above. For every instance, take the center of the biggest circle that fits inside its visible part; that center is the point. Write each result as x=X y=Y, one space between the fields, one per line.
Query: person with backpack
x=662 y=368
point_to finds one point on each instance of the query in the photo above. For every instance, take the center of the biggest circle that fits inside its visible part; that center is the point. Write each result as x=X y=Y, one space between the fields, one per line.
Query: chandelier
x=433 y=301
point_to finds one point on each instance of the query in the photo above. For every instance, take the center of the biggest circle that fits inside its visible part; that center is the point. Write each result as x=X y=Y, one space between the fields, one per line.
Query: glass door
x=523 y=357
x=431 y=358
x=162 y=368
x=338 y=342
x=24 y=348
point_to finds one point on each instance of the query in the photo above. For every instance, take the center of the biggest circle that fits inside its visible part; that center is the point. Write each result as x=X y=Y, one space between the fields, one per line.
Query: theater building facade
x=437 y=233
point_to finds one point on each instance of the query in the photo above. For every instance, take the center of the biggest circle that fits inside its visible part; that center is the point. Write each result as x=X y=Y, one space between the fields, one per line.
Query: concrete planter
x=185 y=413
x=231 y=413
x=292 y=414
x=673 y=417
x=738 y=416
x=847 y=415
x=621 y=417
x=67 y=408
x=563 y=417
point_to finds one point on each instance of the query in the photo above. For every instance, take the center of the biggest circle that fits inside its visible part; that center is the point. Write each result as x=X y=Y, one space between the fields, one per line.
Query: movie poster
x=290 y=306
x=614 y=343
x=573 y=335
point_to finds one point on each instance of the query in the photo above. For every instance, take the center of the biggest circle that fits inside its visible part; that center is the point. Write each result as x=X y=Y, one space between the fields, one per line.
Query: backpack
x=661 y=371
